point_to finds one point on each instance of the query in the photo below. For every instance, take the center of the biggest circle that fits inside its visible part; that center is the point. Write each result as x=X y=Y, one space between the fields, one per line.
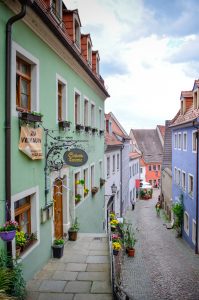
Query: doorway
x=58 y=209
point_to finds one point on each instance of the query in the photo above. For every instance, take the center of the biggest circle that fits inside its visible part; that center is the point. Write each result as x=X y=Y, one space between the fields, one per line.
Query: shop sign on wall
x=75 y=157
x=30 y=142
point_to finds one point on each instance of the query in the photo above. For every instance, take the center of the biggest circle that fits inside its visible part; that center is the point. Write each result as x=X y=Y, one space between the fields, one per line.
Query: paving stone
x=78 y=287
x=52 y=286
x=33 y=285
x=44 y=274
x=75 y=267
x=54 y=266
x=101 y=287
x=98 y=252
x=55 y=296
x=97 y=259
x=98 y=267
x=64 y=275
x=93 y=297
x=76 y=258
x=92 y=276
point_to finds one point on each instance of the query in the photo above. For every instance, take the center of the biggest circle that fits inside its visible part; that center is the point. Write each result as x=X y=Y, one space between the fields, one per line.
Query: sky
x=149 y=53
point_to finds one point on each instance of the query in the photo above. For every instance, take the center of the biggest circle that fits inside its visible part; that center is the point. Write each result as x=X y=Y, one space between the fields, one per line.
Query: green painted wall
x=27 y=173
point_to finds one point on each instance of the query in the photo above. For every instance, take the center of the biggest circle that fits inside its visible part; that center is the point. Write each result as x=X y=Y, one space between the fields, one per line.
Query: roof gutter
x=9 y=24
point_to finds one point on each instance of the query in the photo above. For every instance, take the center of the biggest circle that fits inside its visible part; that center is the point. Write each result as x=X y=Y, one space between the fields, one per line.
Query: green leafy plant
x=75 y=225
x=130 y=239
x=81 y=181
x=20 y=238
x=9 y=226
x=178 y=210
x=58 y=242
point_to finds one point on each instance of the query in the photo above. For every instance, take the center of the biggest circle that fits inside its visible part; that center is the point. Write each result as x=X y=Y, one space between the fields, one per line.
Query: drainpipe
x=197 y=161
x=121 y=205
x=9 y=24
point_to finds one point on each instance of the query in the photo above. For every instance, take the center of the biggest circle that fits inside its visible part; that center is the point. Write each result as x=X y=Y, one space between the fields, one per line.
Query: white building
x=134 y=170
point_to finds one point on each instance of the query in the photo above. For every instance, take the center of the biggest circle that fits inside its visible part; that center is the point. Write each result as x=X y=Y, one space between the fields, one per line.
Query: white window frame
x=175 y=141
x=193 y=231
x=118 y=162
x=175 y=175
x=184 y=181
x=186 y=223
x=179 y=140
x=101 y=169
x=79 y=189
x=35 y=215
x=57 y=14
x=92 y=176
x=76 y=91
x=64 y=98
x=113 y=164
x=18 y=51
x=87 y=181
x=101 y=123
x=179 y=177
x=75 y=19
x=108 y=166
x=189 y=193
x=194 y=143
x=89 y=53
x=93 y=115
x=184 y=145
x=86 y=123
x=195 y=99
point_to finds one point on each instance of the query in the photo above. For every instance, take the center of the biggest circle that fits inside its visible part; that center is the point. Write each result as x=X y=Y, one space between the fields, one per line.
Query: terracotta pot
x=131 y=252
x=72 y=235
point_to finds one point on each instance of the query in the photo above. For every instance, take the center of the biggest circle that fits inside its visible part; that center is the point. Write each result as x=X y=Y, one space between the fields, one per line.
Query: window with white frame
x=190 y=185
x=175 y=141
x=100 y=119
x=193 y=231
x=130 y=196
x=61 y=99
x=108 y=166
x=26 y=86
x=186 y=223
x=118 y=162
x=89 y=53
x=183 y=180
x=113 y=163
x=77 y=108
x=86 y=122
x=194 y=141
x=179 y=140
x=149 y=167
x=184 y=141
x=101 y=169
x=56 y=7
x=92 y=176
x=141 y=170
x=93 y=115
x=175 y=175
x=77 y=33
x=195 y=101
x=77 y=187
x=130 y=172
x=86 y=183
x=154 y=167
x=178 y=176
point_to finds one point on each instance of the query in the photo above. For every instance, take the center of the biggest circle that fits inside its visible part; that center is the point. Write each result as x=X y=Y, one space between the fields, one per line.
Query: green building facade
x=55 y=72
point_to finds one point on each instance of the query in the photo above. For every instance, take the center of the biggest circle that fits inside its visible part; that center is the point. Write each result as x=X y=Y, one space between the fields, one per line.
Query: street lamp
x=113 y=188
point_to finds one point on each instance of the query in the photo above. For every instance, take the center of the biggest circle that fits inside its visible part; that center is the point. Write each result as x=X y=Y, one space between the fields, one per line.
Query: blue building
x=184 y=162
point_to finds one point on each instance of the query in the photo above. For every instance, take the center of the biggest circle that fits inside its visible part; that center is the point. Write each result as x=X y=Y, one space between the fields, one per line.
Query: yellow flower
x=114 y=222
x=116 y=246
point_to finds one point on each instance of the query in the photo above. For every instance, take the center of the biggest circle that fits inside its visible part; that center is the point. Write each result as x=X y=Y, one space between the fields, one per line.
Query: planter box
x=94 y=130
x=64 y=124
x=58 y=251
x=30 y=117
x=87 y=128
x=101 y=132
x=79 y=127
x=94 y=190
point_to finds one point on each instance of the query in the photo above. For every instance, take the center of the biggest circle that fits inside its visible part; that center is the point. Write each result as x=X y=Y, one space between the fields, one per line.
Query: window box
x=102 y=182
x=31 y=117
x=94 y=190
x=101 y=132
x=79 y=127
x=64 y=124
x=87 y=128
x=94 y=130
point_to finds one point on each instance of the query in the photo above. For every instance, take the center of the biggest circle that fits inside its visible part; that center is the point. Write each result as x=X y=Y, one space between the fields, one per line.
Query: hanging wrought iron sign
x=75 y=157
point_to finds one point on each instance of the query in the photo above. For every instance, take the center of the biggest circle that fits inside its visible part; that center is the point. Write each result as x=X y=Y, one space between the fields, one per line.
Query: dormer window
x=77 y=34
x=89 y=58
x=97 y=65
x=56 y=6
x=182 y=107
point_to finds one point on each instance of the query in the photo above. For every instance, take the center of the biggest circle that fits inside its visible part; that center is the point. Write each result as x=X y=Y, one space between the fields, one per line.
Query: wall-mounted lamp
x=113 y=188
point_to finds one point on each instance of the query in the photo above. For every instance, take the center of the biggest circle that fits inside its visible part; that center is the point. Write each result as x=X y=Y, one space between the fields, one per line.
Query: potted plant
x=102 y=182
x=130 y=243
x=81 y=181
x=30 y=116
x=178 y=210
x=87 y=128
x=73 y=230
x=79 y=127
x=58 y=248
x=20 y=241
x=114 y=223
x=77 y=198
x=64 y=124
x=94 y=190
x=101 y=132
x=94 y=130
x=116 y=247
x=86 y=192
x=8 y=230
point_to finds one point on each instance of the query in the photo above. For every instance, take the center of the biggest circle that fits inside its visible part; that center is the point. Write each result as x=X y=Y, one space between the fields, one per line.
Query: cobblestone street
x=164 y=267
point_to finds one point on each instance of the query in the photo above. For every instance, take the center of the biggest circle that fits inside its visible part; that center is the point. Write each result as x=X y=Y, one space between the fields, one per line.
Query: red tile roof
x=134 y=155
x=111 y=140
x=186 y=94
x=162 y=130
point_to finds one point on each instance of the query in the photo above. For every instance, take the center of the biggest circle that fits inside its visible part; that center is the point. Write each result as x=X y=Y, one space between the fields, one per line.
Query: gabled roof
x=162 y=130
x=117 y=127
x=111 y=140
x=186 y=94
x=167 y=151
x=149 y=144
x=134 y=155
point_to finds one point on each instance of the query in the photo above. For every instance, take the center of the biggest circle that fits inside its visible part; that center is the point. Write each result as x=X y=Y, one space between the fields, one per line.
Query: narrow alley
x=164 y=266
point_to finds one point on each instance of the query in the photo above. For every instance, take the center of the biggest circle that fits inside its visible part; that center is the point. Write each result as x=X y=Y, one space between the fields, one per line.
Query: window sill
x=28 y=249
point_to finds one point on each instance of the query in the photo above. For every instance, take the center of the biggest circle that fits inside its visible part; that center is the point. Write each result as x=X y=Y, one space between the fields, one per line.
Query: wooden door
x=58 y=209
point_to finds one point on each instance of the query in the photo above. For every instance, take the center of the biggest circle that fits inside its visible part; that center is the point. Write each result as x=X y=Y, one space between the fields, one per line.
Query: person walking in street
x=157 y=207
x=133 y=203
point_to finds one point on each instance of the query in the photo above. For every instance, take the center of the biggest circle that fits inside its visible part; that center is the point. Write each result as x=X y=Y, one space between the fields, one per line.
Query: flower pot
x=58 y=251
x=115 y=252
x=131 y=252
x=72 y=235
x=18 y=251
x=7 y=236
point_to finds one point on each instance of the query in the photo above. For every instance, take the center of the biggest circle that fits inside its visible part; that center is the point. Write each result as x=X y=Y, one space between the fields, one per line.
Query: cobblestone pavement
x=164 y=267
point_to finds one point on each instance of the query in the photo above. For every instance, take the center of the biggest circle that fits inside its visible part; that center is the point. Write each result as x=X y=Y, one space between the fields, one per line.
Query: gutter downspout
x=9 y=24
x=197 y=161
x=121 y=205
